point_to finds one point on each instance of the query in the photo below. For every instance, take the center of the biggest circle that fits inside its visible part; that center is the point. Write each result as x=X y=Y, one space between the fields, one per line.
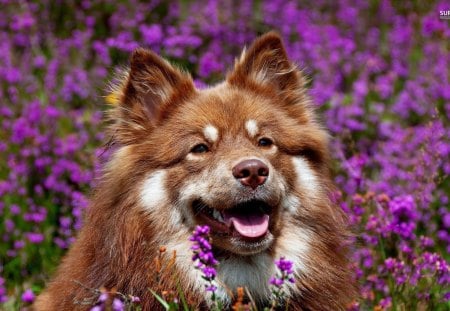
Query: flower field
x=379 y=73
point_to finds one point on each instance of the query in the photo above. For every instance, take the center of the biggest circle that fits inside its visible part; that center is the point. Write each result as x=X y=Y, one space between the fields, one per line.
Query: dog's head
x=243 y=157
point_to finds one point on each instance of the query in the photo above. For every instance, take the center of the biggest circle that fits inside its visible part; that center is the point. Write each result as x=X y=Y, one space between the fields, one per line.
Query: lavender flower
x=28 y=296
x=134 y=299
x=115 y=301
x=285 y=273
x=118 y=305
x=204 y=258
x=283 y=276
x=101 y=302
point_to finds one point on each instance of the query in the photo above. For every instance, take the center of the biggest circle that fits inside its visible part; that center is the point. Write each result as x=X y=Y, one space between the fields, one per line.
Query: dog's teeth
x=217 y=215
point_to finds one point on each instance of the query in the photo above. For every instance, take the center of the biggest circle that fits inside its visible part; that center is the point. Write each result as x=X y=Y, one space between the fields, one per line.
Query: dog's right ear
x=150 y=91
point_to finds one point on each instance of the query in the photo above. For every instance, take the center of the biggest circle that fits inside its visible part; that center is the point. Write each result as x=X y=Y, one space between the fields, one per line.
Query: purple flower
x=209 y=64
x=404 y=215
x=134 y=299
x=152 y=34
x=383 y=87
x=204 y=257
x=209 y=273
x=284 y=274
x=447 y=297
x=28 y=296
x=118 y=305
x=103 y=297
x=386 y=302
x=426 y=242
x=211 y=288
x=34 y=237
x=285 y=266
x=276 y=282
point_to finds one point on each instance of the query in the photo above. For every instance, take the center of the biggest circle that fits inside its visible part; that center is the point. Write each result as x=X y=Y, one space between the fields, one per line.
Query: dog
x=247 y=157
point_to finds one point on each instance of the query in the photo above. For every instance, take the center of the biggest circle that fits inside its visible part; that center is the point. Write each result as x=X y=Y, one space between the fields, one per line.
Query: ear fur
x=266 y=63
x=151 y=90
x=154 y=81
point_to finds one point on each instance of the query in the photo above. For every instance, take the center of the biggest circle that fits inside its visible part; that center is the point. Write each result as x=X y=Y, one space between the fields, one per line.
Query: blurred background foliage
x=379 y=74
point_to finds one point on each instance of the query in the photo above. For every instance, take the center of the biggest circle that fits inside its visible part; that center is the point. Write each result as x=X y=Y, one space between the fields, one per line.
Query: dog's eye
x=265 y=142
x=200 y=148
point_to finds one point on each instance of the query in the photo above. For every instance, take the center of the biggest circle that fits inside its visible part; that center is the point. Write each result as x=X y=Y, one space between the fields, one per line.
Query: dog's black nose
x=251 y=173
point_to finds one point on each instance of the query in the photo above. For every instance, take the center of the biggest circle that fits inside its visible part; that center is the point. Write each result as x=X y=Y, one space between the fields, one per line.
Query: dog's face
x=243 y=157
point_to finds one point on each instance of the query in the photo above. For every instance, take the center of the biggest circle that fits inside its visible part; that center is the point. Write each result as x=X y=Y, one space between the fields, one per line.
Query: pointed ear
x=148 y=93
x=266 y=63
x=155 y=83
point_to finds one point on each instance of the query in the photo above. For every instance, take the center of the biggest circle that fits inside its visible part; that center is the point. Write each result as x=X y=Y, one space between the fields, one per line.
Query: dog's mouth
x=249 y=220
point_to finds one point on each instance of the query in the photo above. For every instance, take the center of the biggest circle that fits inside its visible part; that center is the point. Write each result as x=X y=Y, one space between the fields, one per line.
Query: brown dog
x=246 y=157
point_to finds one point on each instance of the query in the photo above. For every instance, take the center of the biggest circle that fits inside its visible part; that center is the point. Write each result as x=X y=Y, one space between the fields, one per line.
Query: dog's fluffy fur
x=158 y=174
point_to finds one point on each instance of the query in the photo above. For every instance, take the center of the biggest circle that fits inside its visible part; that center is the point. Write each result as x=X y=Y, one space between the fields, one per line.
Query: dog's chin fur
x=160 y=184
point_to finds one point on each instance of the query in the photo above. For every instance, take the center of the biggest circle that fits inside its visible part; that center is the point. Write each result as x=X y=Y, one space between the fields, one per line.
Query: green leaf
x=182 y=298
x=161 y=300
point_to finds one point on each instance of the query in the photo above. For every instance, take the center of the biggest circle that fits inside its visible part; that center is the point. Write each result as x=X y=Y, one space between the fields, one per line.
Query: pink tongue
x=251 y=226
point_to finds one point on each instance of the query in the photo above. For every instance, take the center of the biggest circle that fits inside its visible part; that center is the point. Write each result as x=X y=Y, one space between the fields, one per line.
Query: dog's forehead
x=223 y=108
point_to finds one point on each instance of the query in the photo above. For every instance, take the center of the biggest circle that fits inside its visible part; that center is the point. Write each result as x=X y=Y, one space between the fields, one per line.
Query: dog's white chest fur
x=251 y=272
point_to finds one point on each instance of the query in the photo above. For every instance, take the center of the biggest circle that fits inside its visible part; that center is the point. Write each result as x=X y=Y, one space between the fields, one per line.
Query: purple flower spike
x=204 y=257
x=284 y=274
x=286 y=270
x=284 y=265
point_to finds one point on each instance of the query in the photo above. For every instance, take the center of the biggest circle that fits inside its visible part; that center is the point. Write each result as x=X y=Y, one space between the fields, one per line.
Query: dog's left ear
x=266 y=63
